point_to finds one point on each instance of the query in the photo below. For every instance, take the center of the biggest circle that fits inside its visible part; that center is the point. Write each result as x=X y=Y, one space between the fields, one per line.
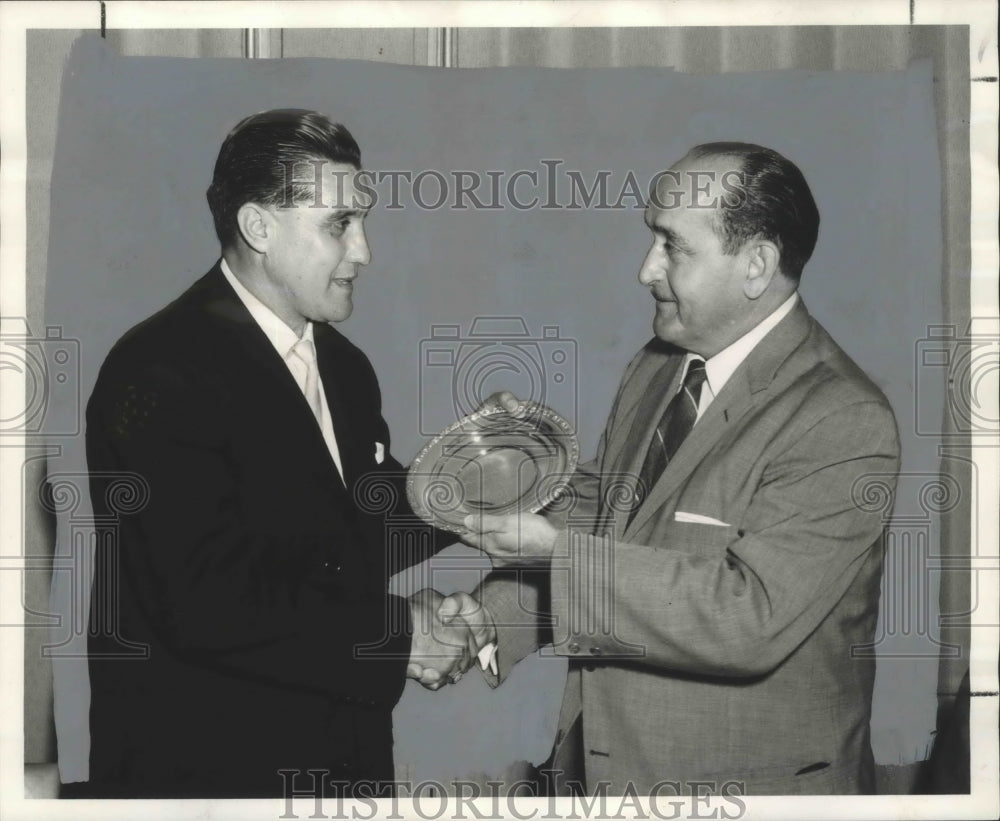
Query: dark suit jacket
x=712 y=638
x=244 y=567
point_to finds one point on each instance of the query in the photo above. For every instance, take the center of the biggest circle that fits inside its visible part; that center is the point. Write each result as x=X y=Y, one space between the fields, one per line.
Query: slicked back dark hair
x=260 y=160
x=775 y=203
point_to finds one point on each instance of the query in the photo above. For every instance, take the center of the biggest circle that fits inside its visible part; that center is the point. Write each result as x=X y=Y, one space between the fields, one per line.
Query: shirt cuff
x=488 y=658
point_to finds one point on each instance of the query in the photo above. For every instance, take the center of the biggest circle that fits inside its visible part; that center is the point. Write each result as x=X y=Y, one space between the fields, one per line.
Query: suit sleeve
x=213 y=592
x=518 y=599
x=800 y=544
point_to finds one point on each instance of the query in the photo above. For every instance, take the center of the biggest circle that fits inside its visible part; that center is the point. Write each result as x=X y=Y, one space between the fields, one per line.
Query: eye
x=662 y=240
x=338 y=227
x=674 y=249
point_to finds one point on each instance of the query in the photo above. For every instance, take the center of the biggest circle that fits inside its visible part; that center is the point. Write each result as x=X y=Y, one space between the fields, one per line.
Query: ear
x=763 y=258
x=256 y=226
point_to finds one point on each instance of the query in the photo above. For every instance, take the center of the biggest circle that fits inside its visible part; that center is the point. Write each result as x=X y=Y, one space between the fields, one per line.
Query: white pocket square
x=379 y=453
x=697 y=519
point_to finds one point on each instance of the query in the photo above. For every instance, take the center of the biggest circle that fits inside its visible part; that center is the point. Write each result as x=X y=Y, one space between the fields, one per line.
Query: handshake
x=448 y=634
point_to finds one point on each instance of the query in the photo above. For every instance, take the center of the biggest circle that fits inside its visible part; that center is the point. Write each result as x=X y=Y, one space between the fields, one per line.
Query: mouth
x=344 y=282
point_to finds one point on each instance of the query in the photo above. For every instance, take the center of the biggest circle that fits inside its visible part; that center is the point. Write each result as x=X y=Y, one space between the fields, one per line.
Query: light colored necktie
x=305 y=352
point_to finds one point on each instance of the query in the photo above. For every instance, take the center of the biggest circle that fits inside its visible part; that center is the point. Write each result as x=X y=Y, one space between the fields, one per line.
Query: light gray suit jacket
x=721 y=652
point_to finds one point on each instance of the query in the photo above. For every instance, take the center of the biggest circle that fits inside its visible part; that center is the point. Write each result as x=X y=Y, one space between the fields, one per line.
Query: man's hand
x=505 y=400
x=514 y=540
x=477 y=617
x=439 y=651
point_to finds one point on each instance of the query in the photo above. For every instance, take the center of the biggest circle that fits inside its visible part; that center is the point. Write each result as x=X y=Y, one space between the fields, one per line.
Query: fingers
x=505 y=400
x=426 y=596
x=440 y=647
x=477 y=619
x=491 y=534
x=472 y=539
x=449 y=608
x=457 y=604
x=510 y=403
x=481 y=523
x=428 y=676
x=434 y=679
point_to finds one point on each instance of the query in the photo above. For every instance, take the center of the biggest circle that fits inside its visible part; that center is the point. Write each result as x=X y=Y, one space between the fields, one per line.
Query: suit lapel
x=657 y=388
x=648 y=389
x=222 y=302
x=740 y=394
x=732 y=402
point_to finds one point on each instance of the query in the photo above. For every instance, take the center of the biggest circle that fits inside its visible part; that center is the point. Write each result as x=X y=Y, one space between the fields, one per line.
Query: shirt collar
x=723 y=365
x=282 y=337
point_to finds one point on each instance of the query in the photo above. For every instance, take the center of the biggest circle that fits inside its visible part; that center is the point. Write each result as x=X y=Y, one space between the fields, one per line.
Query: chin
x=666 y=331
x=339 y=313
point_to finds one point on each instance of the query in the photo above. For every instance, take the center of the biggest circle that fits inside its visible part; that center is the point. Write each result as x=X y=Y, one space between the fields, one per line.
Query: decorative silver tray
x=495 y=463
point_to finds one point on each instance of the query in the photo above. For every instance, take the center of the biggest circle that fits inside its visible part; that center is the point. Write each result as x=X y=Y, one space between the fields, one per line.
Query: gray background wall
x=875 y=281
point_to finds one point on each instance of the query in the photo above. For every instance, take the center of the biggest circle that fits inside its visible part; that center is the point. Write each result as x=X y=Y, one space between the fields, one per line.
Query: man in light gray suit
x=713 y=568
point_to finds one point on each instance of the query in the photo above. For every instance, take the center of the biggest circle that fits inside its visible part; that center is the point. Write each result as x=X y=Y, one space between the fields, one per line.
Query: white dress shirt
x=723 y=365
x=283 y=339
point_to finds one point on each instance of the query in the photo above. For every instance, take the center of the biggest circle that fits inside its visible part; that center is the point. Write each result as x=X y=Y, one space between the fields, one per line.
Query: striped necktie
x=674 y=426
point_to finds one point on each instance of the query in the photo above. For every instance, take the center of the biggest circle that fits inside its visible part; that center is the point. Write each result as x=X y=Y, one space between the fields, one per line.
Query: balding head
x=767 y=197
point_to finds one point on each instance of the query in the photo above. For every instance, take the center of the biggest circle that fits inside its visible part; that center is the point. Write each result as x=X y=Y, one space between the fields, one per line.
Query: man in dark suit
x=254 y=571
x=713 y=568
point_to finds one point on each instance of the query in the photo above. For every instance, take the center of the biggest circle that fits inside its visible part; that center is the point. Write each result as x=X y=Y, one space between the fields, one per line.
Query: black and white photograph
x=499 y=410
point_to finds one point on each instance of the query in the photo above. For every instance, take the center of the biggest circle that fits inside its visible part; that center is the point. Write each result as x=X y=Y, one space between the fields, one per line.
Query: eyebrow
x=338 y=214
x=669 y=235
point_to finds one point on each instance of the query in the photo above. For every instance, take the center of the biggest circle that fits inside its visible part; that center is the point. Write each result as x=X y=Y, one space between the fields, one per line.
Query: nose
x=358 y=250
x=652 y=268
